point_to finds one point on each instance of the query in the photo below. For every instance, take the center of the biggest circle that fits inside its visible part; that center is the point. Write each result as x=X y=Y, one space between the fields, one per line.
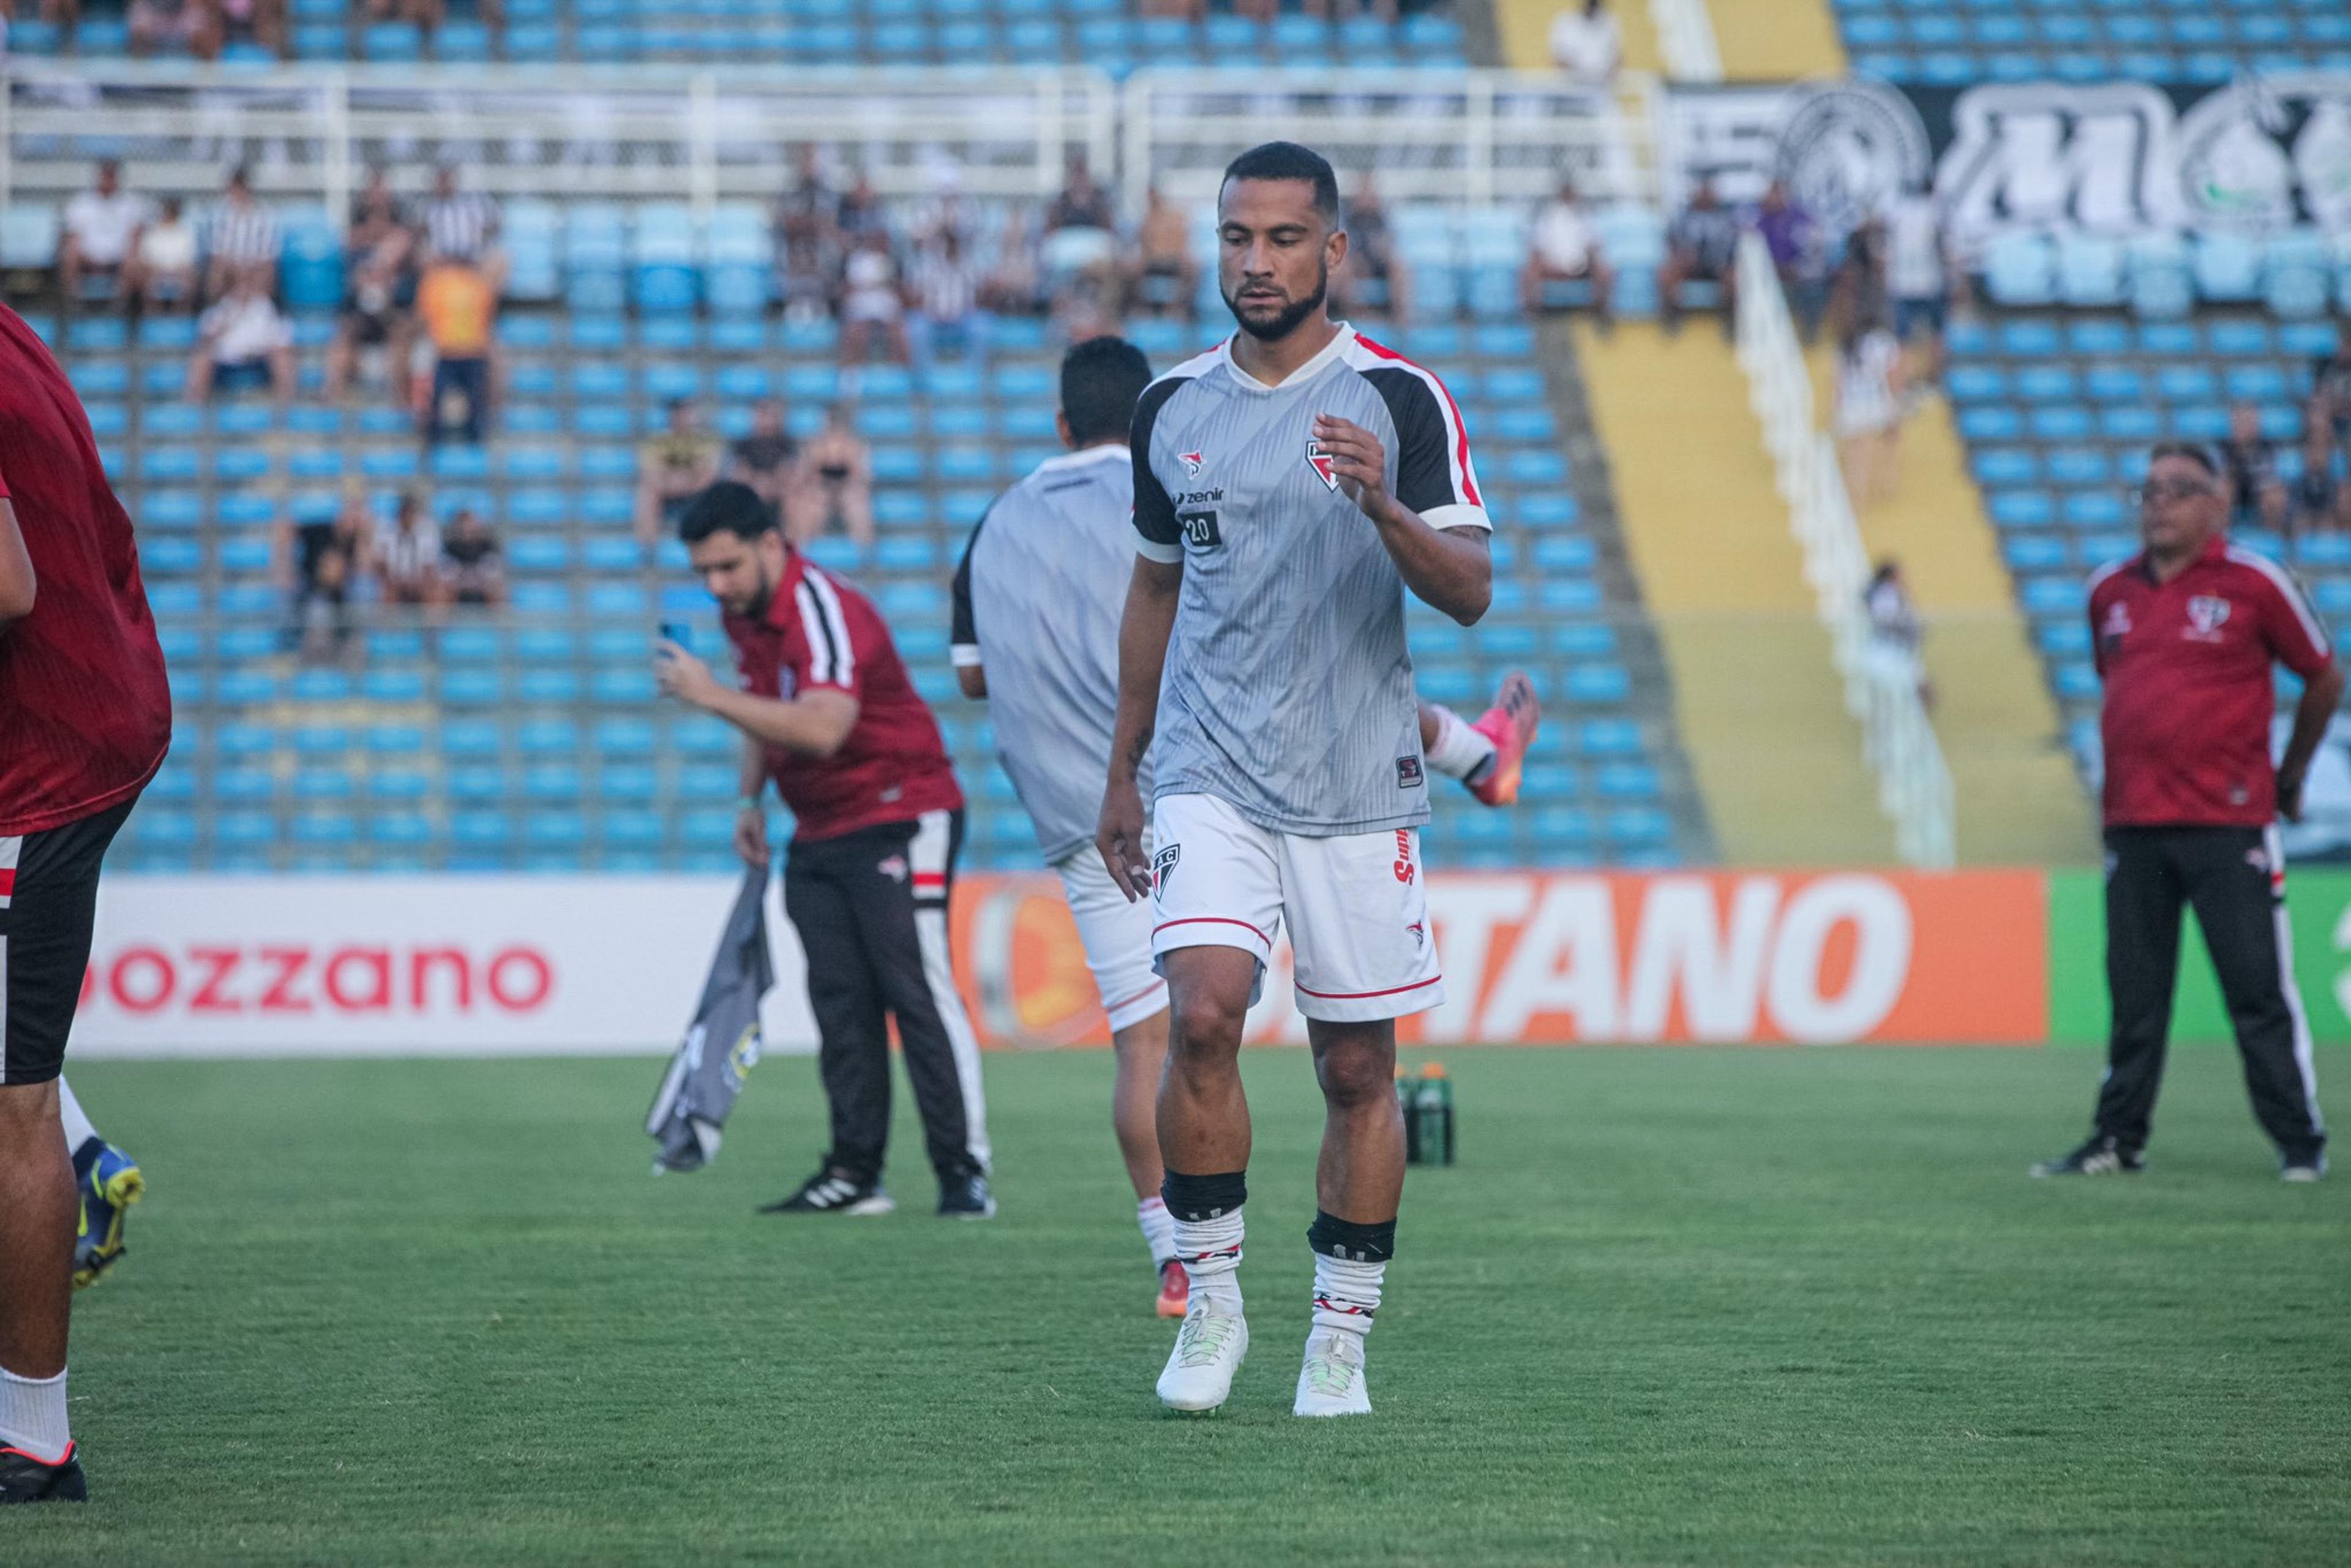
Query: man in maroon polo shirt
x=828 y=713
x=2185 y=634
x=85 y=718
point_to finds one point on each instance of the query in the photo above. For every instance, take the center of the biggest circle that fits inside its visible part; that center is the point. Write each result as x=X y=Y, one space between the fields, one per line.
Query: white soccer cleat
x=1208 y=1351
x=1331 y=1382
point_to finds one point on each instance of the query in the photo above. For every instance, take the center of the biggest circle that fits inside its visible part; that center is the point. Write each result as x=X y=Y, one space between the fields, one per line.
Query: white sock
x=1346 y=1295
x=1158 y=1229
x=1210 y=1252
x=77 y=1128
x=1460 y=752
x=33 y=1416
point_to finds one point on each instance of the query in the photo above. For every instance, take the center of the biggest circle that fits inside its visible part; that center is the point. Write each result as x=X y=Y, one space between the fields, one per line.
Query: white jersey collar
x=1332 y=353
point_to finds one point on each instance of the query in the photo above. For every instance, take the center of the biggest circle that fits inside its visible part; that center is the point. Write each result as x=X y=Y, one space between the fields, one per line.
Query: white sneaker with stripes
x=1331 y=1382
x=1208 y=1351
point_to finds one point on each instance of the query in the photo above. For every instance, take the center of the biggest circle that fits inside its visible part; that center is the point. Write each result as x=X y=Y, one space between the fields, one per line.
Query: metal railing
x=1914 y=780
x=1685 y=39
x=712 y=134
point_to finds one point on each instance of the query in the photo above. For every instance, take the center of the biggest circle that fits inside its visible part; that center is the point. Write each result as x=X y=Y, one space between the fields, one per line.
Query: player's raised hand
x=682 y=675
x=1118 y=839
x=1358 y=461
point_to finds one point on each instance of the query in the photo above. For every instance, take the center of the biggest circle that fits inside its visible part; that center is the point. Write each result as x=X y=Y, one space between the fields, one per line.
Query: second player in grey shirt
x=1037 y=604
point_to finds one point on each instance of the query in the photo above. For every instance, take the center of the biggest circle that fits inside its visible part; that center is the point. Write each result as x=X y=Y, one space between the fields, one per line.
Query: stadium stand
x=530 y=738
x=1108 y=34
x=2058 y=412
x=1933 y=44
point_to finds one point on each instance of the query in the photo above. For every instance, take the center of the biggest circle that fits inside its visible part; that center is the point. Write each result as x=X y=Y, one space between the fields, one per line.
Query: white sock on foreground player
x=1215 y=1335
x=1158 y=1229
x=1457 y=750
x=79 y=1130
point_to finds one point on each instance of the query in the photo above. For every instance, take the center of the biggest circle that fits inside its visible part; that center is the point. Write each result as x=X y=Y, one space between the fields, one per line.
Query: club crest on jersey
x=1325 y=467
x=1192 y=462
x=2206 y=614
x=1163 y=866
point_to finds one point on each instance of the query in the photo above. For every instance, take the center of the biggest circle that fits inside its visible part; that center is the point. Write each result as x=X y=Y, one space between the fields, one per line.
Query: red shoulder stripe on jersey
x=1461 y=426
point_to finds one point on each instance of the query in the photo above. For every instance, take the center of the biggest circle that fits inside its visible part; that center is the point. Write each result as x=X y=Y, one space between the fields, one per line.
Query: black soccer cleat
x=967 y=1199
x=2102 y=1156
x=828 y=1192
x=24 y=1479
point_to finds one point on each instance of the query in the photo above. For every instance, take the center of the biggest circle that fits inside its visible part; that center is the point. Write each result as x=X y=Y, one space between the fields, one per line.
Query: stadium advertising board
x=2115 y=158
x=1812 y=958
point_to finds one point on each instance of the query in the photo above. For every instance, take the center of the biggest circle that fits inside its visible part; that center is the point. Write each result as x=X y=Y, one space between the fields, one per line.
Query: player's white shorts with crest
x=1355 y=906
x=1117 y=937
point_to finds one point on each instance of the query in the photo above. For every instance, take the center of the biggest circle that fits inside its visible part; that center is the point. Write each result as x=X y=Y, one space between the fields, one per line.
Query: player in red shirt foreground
x=2185 y=634
x=85 y=719
x=828 y=712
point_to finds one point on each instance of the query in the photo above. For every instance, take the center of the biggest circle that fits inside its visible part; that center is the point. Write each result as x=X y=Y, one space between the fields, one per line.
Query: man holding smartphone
x=828 y=712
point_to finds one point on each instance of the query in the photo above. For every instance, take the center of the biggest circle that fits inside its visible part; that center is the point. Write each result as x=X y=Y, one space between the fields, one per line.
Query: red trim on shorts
x=1213 y=920
x=1366 y=996
x=9 y=882
x=1130 y=1001
x=930 y=878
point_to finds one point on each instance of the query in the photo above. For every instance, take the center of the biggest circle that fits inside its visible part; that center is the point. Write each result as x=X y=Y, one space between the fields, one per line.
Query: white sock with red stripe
x=1460 y=752
x=1346 y=1294
x=77 y=1128
x=33 y=1416
x=1158 y=1229
x=1210 y=1252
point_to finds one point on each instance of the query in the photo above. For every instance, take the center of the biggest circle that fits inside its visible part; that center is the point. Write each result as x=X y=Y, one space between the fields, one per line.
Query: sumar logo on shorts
x=1408 y=773
x=1163 y=866
x=1403 y=866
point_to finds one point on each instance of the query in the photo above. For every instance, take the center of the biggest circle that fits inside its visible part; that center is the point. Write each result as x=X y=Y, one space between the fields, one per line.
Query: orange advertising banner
x=1808 y=957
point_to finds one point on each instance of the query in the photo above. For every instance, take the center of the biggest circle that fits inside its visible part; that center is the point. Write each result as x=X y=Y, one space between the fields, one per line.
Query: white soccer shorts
x=1117 y=938
x=1356 y=906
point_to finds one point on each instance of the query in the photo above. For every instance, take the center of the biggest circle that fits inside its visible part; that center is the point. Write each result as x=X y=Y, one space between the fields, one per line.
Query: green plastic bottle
x=1408 y=1103
x=1431 y=1141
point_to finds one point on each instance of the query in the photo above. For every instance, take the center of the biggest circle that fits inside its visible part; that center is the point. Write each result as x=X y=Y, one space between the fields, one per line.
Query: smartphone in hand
x=678 y=632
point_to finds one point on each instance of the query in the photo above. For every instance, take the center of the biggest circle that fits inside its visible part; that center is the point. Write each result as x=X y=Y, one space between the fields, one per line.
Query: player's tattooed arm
x=1451 y=568
x=1143 y=634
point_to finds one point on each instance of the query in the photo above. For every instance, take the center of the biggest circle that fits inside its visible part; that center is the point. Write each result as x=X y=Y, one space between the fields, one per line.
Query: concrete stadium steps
x=1776 y=756
x=1776 y=40
x=2017 y=799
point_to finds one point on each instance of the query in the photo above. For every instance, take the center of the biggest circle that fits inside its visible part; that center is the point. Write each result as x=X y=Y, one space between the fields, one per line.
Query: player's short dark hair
x=2194 y=451
x=727 y=508
x=1288 y=160
x=1100 y=379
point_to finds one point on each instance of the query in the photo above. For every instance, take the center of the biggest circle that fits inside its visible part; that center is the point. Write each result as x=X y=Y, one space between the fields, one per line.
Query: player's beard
x=762 y=596
x=1293 y=314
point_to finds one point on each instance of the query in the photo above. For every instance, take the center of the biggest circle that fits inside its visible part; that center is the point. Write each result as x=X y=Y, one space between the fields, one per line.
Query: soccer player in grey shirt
x=1037 y=604
x=1289 y=485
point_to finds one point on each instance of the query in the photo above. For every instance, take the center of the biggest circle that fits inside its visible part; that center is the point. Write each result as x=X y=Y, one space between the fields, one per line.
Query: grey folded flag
x=723 y=1043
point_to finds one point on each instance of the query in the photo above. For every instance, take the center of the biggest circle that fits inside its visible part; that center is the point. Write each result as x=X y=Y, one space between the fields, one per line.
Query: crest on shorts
x=1192 y=462
x=1323 y=464
x=895 y=868
x=1163 y=866
x=2206 y=614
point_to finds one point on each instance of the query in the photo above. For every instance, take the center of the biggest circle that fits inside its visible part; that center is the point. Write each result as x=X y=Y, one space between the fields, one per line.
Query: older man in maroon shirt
x=2185 y=634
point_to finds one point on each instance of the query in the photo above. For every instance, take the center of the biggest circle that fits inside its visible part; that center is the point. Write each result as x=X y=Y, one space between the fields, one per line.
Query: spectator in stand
x=473 y=568
x=2249 y=467
x=946 y=293
x=1701 y=247
x=1857 y=290
x=672 y=468
x=261 y=22
x=1586 y=43
x=1164 y=279
x=763 y=460
x=102 y=226
x=195 y=26
x=872 y=305
x=163 y=268
x=2330 y=386
x=458 y=306
x=2320 y=497
x=832 y=485
x=1563 y=247
x=1798 y=254
x=808 y=239
x=1869 y=411
x=860 y=213
x=241 y=341
x=462 y=227
x=320 y=563
x=1015 y=285
x=241 y=240
x=1080 y=250
x=381 y=288
x=1920 y=267
x=1082 y=204
x=1373 y=276
x=407 y=554
x=1895 y=632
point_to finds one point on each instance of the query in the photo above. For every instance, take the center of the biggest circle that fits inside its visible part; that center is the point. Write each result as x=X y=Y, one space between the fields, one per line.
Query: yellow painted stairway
x=1775 y=756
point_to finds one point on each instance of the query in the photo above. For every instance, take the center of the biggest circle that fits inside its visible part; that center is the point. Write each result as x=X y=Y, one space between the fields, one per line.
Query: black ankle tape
x=1198 y=1197
x=1332 y=1237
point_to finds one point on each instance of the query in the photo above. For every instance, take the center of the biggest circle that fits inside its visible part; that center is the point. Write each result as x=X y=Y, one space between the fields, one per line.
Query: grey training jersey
x=1037 y=603
x=1288 y=692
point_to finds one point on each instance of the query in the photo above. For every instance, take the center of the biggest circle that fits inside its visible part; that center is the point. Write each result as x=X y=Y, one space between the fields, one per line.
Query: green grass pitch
x=1673 y=1307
